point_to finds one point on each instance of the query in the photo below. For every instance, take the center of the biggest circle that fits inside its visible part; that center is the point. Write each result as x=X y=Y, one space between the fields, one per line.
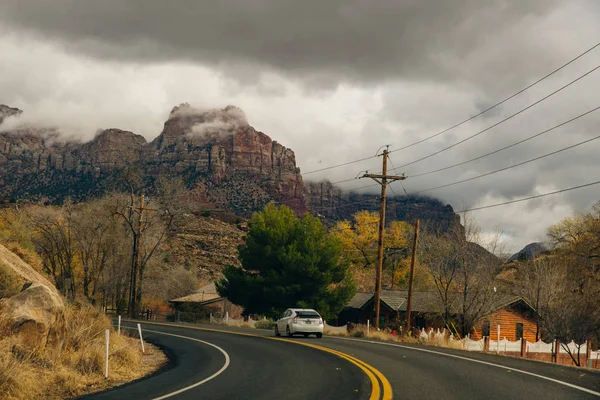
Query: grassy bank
x=72 y=363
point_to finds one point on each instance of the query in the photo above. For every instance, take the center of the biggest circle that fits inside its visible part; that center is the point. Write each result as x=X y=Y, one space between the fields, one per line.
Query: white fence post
x=141 y=340
x=498 y=343
x=119 y=326
x=368 y=322
x=106 y=341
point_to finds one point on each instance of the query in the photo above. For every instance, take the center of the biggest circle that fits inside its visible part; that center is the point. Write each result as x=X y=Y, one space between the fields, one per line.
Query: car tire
x=288 y=332
x=277 y=331
x=319 y=335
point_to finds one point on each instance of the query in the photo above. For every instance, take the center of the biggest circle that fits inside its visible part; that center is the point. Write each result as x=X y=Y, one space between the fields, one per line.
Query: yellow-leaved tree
x=578 y=238
x=359 y=238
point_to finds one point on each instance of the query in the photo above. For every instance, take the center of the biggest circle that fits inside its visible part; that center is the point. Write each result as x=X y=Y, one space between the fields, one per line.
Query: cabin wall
x=507 y=319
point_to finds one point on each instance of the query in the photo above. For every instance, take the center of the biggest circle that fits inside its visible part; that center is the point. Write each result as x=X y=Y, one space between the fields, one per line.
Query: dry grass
x=360 y=331
x=72 y=363
x=10 y=283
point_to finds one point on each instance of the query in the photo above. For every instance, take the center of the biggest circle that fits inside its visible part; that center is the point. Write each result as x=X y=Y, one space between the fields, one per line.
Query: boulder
x=20 y=269
x=32 y=313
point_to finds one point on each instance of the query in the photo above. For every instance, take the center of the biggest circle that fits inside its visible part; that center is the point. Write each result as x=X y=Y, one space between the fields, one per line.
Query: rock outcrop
x=226 y=162
x=6 y=111
x=14 y=265
x=216 y=150
x=31 y=313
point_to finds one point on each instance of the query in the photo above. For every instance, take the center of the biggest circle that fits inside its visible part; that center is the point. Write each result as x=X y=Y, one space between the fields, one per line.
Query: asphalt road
x=261 y=368
x=257 y=369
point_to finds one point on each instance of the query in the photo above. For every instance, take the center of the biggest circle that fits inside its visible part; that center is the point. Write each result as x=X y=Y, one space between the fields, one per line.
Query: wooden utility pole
x=382 y=179
x=411 y=277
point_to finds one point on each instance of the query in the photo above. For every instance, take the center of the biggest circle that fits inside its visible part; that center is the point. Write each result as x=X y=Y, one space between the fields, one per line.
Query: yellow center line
x=372 y=373
x=387 y=387
x=375 y=390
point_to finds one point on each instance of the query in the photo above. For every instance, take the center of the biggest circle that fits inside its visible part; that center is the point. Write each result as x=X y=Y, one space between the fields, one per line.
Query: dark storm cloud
x=333 y=80
x=318 y=40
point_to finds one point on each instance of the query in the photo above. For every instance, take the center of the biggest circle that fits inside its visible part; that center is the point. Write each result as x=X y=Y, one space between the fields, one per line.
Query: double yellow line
x=379 y=383
x=380 y=386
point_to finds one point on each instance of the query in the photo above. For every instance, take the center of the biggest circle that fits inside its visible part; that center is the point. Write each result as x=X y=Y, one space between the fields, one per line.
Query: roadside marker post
x=119 y=326
x=367 y=327
x=141 y=340
x=106 y=341
x=498 y=342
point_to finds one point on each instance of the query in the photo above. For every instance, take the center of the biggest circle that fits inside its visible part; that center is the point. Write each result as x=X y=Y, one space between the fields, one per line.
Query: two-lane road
x=213 y=365
x=261 y=367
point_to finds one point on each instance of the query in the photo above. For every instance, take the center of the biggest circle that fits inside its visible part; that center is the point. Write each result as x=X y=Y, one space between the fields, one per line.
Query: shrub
x=265 y=324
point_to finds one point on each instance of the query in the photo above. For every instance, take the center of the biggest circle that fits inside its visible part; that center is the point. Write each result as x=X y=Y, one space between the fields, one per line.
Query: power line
x=333 y=207
x=391 y=188
x=343 y=181
x=338 y=165
x=371 y=200
x=512 y=166
x=494 y=152
x=529 y=198
x=509 y=146
x=480 y=157
x=500 y=102
x=466 y=120
x=501 y=121
x=403 y=188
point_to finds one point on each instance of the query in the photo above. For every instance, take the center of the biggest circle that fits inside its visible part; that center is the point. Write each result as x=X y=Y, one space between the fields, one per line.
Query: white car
x=302 y=321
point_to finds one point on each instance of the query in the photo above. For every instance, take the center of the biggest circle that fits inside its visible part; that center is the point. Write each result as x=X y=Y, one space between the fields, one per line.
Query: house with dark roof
x=206 y=301
x=514 y=315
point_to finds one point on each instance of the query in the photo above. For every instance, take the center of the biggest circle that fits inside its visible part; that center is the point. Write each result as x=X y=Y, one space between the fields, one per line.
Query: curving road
x=251 y=368
x=213 y=362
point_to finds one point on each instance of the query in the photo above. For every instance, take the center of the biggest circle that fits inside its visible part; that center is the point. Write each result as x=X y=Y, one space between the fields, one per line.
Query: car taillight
x=320 y=321
x=295 y=320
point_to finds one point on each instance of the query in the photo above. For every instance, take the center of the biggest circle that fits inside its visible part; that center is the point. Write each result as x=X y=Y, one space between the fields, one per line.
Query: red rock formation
x=216 y=148
x=226 y=161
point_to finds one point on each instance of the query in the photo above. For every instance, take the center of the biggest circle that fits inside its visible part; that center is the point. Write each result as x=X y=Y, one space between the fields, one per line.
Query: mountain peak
x=7 y=111
x=215 y=124
x=530 y=252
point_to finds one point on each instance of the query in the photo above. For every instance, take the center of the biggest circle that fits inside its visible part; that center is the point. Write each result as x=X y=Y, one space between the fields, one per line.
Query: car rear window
x=307 y=314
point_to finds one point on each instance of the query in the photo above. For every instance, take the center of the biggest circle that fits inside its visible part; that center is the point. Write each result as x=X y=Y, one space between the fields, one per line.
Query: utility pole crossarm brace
x=386 y=177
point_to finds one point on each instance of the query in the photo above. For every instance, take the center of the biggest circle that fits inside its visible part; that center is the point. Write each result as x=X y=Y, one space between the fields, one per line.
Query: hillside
x=224 y=162
x=530 y=252
x=204 y=245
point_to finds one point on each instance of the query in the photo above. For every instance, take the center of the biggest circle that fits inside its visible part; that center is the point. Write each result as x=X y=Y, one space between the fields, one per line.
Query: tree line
x=103 y=250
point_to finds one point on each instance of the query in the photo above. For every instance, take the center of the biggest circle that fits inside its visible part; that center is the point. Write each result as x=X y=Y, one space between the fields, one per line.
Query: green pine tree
x=288 y=262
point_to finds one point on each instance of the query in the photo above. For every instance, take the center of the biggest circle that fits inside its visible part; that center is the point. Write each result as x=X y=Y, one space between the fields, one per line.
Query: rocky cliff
x=223 y=160
x=215 y=151
x=333 y=204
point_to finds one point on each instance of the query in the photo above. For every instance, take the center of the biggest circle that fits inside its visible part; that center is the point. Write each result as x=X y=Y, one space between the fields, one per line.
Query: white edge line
x=219 y=372
x=476 y=361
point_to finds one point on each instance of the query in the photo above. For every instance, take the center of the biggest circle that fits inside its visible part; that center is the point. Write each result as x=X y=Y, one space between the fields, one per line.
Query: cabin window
x=519 y=330
x=486 y=328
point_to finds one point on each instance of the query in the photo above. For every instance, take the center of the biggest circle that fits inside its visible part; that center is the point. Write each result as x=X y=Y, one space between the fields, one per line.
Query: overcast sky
x=333 y=80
